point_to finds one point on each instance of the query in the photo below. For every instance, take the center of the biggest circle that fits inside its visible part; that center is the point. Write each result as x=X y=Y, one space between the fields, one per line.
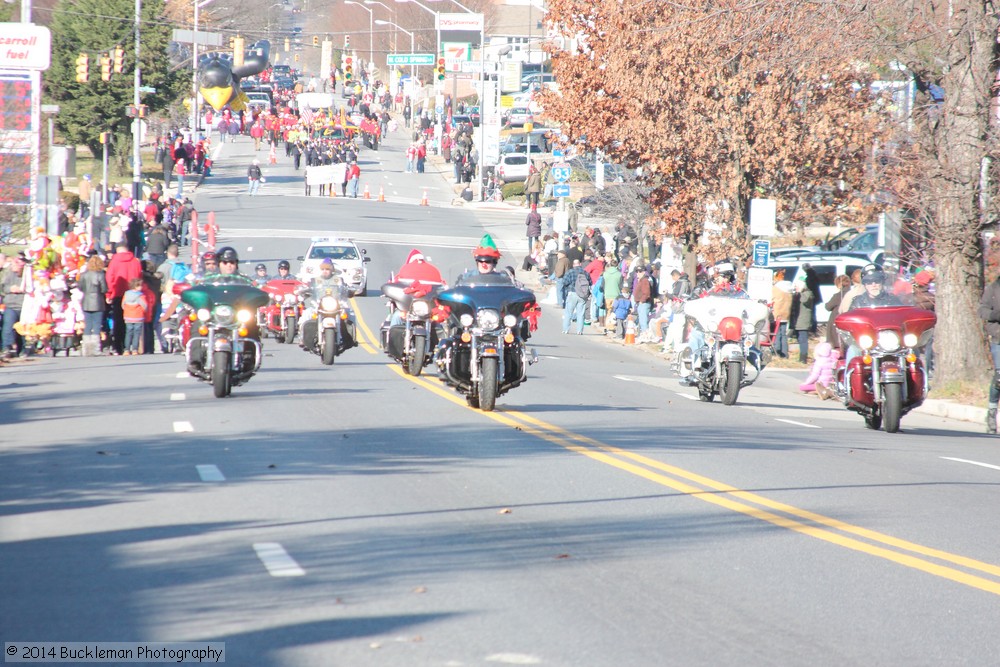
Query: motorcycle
x=485 y=356
x=412 y=342
x=282 y=314
x=328 y=330
x=887 y=379
x=729 y=360
x=222 y=349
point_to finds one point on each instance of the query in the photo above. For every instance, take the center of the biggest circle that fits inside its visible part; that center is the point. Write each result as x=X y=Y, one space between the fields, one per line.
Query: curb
x=951 y=410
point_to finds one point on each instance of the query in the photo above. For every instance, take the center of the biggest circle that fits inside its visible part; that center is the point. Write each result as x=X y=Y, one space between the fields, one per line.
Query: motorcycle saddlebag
x=396 y=336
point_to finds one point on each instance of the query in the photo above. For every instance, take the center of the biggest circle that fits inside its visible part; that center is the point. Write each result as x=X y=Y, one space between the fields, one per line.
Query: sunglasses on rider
x=228 y=261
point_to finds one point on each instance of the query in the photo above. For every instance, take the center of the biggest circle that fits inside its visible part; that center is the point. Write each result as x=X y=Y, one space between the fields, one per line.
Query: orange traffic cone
x=630 y=333
x=423 y=200
x=381 y=193
x=367 y=195
x=333 y=189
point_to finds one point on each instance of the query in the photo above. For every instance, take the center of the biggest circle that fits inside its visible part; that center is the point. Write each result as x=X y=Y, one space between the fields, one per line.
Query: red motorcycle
x=280 y=317
x=887 y=379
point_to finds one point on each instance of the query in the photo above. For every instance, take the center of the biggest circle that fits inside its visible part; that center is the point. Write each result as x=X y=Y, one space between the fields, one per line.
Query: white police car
x=350 y=260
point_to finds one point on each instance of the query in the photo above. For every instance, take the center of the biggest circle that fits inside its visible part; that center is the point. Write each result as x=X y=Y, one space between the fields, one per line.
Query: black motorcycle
x=484 y=355
x=412 y=342
x=223 y=348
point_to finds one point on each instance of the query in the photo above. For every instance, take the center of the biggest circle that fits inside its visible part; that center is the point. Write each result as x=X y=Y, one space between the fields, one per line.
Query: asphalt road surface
x=602 y=516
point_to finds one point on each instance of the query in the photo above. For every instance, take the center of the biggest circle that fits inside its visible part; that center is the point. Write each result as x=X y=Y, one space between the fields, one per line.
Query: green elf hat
x=487 y=248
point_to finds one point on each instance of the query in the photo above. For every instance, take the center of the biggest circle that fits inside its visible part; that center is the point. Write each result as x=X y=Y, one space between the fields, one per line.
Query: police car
x=350 y=260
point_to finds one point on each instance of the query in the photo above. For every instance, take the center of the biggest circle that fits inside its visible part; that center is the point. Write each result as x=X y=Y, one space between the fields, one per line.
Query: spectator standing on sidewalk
x=534 y=225
x=533 y=186
x=122 y=269
x=989 y=311
x=12 y=288
x=353 y=179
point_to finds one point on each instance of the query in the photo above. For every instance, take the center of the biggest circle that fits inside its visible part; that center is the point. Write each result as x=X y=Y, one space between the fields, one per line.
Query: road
x=602 y=516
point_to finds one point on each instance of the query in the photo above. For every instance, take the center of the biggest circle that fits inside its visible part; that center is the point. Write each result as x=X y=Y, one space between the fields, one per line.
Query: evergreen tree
x=96 y=27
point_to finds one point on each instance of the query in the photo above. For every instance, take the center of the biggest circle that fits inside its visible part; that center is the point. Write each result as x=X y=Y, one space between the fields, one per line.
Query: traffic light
x=347 y=42
x=440 y=70
x=288 y=45
x=105 y=67
x=296 y=57
x=348 y=68
x=119 y=65
x=315 y=40
x=82 y=68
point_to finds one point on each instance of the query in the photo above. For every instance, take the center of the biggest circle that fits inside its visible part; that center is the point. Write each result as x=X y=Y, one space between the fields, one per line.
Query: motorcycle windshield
x=869 y=320
x=710 y=310
x=501 y=296
x=237 y=296
x=282 y=286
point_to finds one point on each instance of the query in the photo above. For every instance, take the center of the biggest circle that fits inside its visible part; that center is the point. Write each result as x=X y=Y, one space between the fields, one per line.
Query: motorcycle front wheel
x=488 y=383
x=892 y=407
x=220 y=374
x=290 y=325
x=731 y=387
x=418 y=350
x=329 y=353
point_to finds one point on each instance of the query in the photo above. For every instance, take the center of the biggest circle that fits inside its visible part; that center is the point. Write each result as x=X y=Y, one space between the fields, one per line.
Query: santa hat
x=414 y=256
x=487 y=248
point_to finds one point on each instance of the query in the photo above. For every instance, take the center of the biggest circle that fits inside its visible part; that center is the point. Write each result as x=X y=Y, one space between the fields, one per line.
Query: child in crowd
x=134 y=309
x=621 y=307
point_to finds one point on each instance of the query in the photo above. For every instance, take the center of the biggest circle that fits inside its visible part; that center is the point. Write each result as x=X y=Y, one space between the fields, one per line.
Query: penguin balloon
x=219 y=78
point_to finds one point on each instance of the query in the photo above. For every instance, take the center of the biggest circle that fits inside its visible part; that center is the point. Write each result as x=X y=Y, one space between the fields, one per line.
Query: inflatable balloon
x=219 y=80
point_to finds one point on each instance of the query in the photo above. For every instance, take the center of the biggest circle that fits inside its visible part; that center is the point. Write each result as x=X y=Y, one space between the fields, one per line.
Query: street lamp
x=371 y=28
x=413 y=74
x=437 y=27
x=392 y=17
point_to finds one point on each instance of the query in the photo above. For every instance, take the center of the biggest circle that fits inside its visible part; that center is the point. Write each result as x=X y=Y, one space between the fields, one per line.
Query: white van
x=827 y=268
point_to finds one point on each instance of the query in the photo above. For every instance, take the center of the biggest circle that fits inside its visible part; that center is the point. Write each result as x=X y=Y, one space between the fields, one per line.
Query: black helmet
x=228 y=254
x=283 y=264
x=261 y=267
x=872 y=274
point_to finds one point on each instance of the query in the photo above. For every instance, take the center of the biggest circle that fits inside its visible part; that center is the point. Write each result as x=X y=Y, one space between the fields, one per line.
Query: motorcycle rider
x=875 y=295
x=327 y=280
x=261 y=278
x=229 y=269
x=416 y=270
x=724 y=284
x=284 y=270
x=209 y=265
x=487 y=256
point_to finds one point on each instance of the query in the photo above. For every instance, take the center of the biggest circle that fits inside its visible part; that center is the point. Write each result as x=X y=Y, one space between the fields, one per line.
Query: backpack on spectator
x=179 y=272
x=582 y=285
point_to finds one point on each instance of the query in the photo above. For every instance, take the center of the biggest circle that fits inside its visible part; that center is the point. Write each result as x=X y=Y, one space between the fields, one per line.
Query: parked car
x=518 y=116
x=462 y=121
x=512 y=167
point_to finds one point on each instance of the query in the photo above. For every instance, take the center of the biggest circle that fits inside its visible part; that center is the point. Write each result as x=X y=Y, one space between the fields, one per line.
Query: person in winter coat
x=122 y=269
x=821 y=376
x=612 y=281
x=559 y=274
x=843 y=285
x=533 y=186
x=621 y=307
x=534 y=226
x=989 y=312
x=781 y=309
x=643 y=297
x=94 y=286
x=802 y=319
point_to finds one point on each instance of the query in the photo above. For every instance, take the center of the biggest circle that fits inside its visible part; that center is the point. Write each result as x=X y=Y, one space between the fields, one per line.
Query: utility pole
x=137 y=122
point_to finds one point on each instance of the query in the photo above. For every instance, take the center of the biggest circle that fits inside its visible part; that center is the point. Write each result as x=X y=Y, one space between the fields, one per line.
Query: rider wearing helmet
x=261 y=278
x=229 y=269
x=284 y=269
x=875 y=295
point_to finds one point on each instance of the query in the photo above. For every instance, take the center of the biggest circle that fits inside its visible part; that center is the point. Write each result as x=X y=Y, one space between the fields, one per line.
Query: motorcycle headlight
x=224 y=314
x=290 y=298
x=488 y=318
x=420 y=308
x=244 y=316
x=911 y=340
x=509 y=320
x=466 y=320
x=888 y=340
x=204 y=314
x=865 y=341
x=328 y=303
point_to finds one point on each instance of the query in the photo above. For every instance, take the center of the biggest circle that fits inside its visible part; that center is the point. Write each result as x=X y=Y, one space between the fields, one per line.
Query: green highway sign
x=410 y=59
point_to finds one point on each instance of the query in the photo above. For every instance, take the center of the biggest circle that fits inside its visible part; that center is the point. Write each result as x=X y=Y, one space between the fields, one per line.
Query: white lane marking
x=550 y=357
x=210 y=473
x=795 y=423
x=183 y=427
x=249 y=248
x=276 y=560
x=217 y=151
x=975 y=463
x=624 y=378
x=514 y=659
x=178 y=396
x=182 y=374
x=687 y=396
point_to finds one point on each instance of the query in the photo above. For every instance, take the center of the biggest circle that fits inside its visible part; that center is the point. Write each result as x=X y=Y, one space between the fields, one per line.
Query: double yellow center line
x=940 y=563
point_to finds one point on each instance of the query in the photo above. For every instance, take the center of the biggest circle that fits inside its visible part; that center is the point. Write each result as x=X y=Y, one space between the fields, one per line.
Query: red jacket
x=122 y=268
